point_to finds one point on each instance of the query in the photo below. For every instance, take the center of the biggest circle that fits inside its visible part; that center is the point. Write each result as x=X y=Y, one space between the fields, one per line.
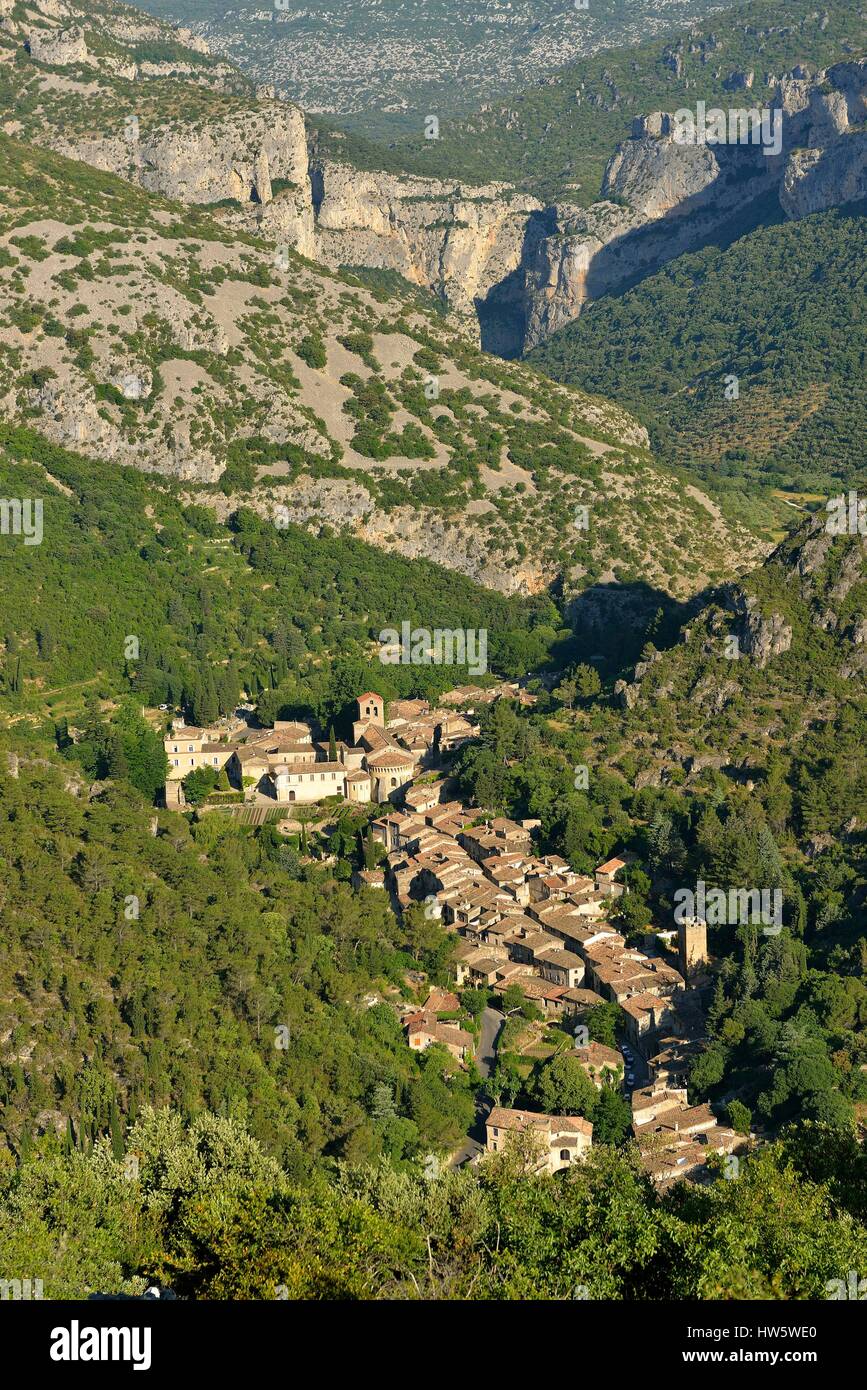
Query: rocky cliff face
x=818 y=179
x=661 y=198
x=233 y=158
x=527 y=270
x=514 y=270
x=456 y=241
x=154 y=337
x=825 y=117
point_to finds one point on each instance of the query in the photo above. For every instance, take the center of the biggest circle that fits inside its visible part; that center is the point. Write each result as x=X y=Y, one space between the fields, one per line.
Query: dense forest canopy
x=291 y=618
x=205 y=1211
x=747 y=364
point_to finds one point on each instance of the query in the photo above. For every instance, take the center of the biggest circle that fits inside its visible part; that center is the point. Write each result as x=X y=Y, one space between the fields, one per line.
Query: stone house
x=425 y=1032
x=562 y=1139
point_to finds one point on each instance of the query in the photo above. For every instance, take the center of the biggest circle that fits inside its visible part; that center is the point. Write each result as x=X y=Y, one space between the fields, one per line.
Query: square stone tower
x=691 y=945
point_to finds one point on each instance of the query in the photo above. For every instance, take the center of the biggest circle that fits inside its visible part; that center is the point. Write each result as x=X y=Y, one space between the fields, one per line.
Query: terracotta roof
x=486 y=964
x=390 y=759
x=441 y=1001
x=611 y=866
x=444 y=1033
x=596 y=1054
x=502 y=1118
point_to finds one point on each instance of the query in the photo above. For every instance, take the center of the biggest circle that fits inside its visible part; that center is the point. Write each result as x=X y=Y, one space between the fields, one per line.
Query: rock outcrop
x=455 y=240
x=761 y=636
x=235 y=158
x=527 y=270
x=818 y=179
x=824 y=120
x=57 y=47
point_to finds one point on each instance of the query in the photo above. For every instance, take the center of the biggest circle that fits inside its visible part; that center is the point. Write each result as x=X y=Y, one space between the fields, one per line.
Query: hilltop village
x=285 y=764
x=522 y=918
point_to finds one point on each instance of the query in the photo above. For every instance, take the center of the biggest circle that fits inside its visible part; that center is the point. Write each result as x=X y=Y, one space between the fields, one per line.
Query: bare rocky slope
x=144 y=332
x=105 y=84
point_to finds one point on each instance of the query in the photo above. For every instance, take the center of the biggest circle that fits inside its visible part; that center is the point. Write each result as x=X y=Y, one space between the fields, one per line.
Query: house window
x=564 y=1155
x=177 y=762
x=190 y=748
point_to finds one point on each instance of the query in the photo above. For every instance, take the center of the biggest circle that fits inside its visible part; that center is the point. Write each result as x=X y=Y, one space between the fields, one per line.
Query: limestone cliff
x=822 y=178
x=454 y=240
x=661 y=198
x=232 y=158
x=152 y=336
x=513 y=270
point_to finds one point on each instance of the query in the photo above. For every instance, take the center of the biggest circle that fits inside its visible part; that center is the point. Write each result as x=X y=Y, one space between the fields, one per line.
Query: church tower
x=371 y=710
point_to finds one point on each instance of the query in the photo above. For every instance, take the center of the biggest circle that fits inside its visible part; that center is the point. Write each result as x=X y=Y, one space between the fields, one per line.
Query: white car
x=630 y=1079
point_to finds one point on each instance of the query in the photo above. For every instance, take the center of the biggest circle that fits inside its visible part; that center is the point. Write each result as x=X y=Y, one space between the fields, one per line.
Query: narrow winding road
x=492 y=1022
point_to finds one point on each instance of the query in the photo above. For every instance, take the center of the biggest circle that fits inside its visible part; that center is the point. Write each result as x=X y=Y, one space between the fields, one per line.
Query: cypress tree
x=117 y=1145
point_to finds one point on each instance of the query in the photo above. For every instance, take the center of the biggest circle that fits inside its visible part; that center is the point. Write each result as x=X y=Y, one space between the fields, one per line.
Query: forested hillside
x=782 y=311
x=215 y=609
x=205 y=1212
x=150 y=961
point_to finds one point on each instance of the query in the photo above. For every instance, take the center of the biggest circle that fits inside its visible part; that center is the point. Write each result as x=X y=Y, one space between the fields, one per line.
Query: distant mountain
x=386 y=65
x=129 y=94
x=554 y=138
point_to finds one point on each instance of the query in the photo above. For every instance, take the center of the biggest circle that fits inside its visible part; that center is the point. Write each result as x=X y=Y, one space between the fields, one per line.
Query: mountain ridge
x=521 y=264
x=149 y=334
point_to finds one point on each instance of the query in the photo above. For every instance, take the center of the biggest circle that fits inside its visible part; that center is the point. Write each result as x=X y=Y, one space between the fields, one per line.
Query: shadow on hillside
x=612 y=623
x=693 y=225
x=746 y=185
